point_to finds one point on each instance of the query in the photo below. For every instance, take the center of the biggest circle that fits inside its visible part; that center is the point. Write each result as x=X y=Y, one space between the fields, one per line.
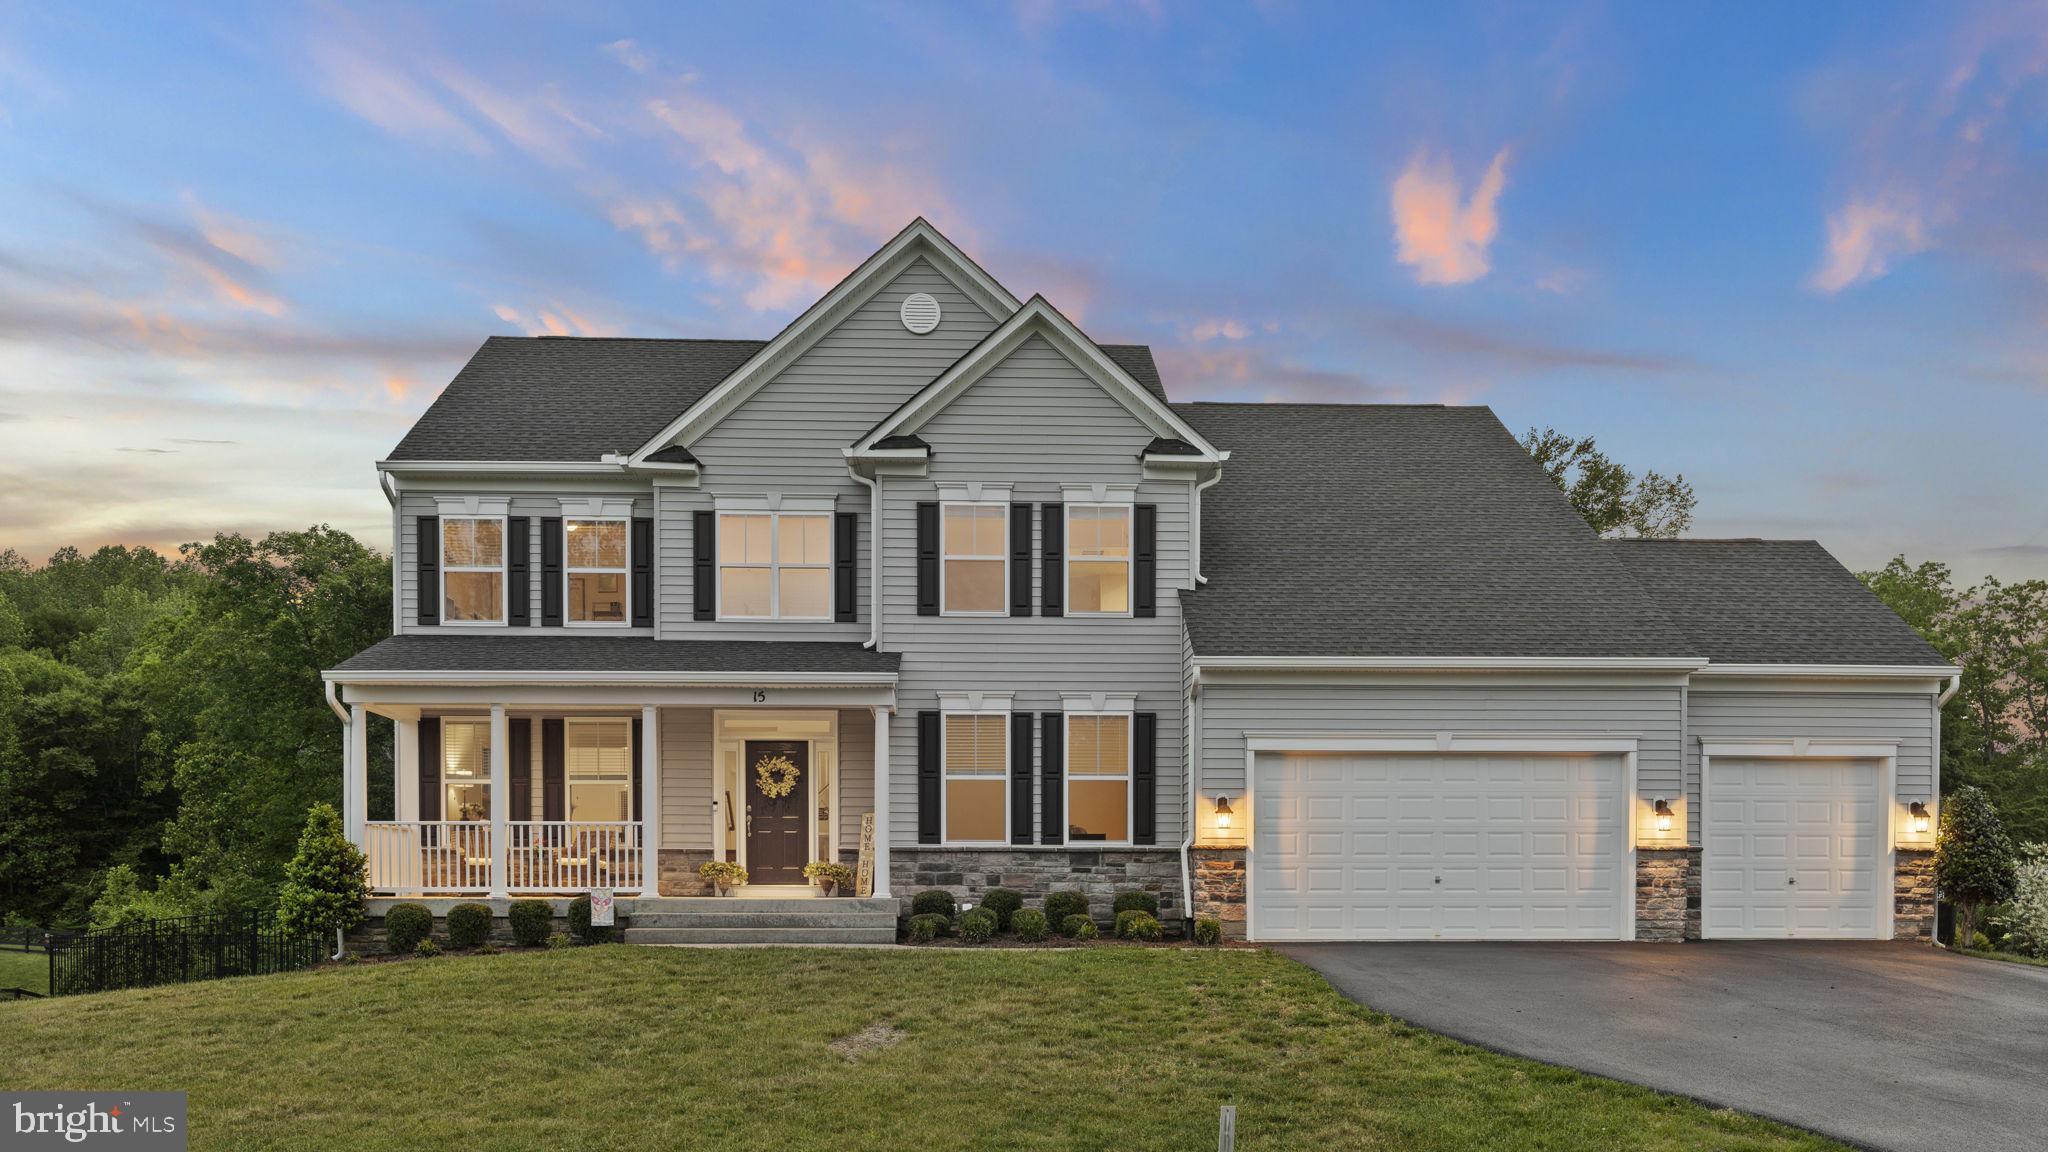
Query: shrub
x=926 y=927
x=1029 y=924
x=580 y=925
x=469 y=925
x=838 y=877
x=1979 y=942
x=978 y=926
x=531 y=922
x=1973 y=860
x=426 y=948
x=1064 y=903
x=932 y=902
x=405 y=925
x=1004 y=903
x=325 y=883
x=558 y=940
x=2025 y=919
x=1078 y=927
x=1132 y=924
x=1144 y=902
x=1208 y=932
x=722 y=873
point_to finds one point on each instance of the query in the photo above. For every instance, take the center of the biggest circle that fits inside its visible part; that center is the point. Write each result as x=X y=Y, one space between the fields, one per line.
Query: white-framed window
x=1098 y=551
x=597 y=766
x=594 y=570
x=974 y=559
x=472 y=570
x=974 y=803
x=774 y=566
x=1098 y=776
x=465 y=770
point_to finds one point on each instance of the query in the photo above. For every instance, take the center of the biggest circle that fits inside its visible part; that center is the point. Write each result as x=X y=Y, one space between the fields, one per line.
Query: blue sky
x=1798 y=253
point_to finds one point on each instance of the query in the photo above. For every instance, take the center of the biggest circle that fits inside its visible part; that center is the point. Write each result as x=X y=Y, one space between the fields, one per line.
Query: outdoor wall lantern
x=1223 y=812
x=1920 y=818
x=1662 y=808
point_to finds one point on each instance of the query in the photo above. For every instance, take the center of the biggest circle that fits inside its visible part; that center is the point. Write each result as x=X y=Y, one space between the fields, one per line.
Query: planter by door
x=778 y=829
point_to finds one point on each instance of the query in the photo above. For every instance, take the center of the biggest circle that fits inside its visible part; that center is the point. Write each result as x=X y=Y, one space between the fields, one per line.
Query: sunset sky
x=1797 y=252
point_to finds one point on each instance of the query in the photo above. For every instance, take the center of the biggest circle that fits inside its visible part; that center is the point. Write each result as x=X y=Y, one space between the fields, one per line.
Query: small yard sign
x=600 y=907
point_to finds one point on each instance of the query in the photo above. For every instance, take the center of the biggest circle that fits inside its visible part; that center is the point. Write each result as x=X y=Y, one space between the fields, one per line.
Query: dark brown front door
x=778 y=829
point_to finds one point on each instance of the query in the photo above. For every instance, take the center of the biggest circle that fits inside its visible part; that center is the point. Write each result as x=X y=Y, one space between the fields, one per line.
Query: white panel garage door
x=1791 y=849
x=1443 y=846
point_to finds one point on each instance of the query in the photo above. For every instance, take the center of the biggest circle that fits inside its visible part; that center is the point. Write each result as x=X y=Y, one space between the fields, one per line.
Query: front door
x=778 y=827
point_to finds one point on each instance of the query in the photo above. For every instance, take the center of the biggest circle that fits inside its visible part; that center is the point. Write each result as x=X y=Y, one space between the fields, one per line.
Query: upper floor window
x=1099 y=778
x=976 y=802
x=598 y=764
x=974 y=567
x=595 y=569
x=473 y=569
x=774 y=566
x=1099 y=559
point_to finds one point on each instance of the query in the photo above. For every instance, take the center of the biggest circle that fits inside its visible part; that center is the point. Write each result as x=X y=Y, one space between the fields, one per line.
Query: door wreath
x=775 y=776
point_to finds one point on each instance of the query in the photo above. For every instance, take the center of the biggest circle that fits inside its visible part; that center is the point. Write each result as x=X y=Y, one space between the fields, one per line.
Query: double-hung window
x=472 y=570
x=974 y=570
x=466 y=770
x=598 y=764
x=976 y=758
x=774 y=566
x=1099 y=777
x=595 y=568
x=1099 y=559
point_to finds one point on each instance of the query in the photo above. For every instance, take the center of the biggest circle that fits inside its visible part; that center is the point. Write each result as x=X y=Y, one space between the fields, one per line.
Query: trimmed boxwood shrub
x=927 y=927
x=1064 y=903
x=1144 y=902
x=932 y=902
x=531 y=921
x=1029 y=924
x=978 y=926
x=469 y=925
x=1208 y=931
x=426 y=948
x=1078 y=927
x=405 y=925
x=579 y=923
x=1132 y=924
x=1004 y=904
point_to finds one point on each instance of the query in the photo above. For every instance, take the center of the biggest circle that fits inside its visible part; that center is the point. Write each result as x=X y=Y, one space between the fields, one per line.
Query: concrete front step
x=746 y=918
x=834 y=905
x=777 y=935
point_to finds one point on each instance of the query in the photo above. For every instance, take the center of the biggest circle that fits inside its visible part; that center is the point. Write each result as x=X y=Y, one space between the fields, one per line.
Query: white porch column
x=355 y=801
x=405 y=759
x=650 y=800
x=882 y=716
x=501 y=798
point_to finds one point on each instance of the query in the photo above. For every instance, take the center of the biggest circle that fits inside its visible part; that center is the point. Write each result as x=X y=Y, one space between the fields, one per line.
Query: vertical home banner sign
x=864 y=872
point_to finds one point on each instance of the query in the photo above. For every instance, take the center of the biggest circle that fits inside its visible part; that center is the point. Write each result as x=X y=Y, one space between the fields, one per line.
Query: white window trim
x=625 y=572
x=1129 y=562
x=774 y=566
x=1002 y=558
x=503 y=568
x=569 y=777
x=953 y=706
x=1097 y=708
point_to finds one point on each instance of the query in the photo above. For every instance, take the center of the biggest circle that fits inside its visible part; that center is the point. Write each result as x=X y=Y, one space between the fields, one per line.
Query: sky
x=1797 y=253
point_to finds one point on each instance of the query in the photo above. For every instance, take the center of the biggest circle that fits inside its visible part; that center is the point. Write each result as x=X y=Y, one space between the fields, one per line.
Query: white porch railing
x=454 y=856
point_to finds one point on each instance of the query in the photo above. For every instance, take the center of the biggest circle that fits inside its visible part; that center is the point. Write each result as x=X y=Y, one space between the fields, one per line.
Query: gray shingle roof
x=1771 y=602
x=1401 y=530
x=512 y=651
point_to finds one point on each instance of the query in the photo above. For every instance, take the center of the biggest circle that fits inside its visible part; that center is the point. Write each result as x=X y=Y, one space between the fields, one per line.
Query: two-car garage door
x=1385 y=846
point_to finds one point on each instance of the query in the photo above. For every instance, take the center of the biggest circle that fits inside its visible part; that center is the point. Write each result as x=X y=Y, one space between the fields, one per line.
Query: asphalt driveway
x=1894 y=1046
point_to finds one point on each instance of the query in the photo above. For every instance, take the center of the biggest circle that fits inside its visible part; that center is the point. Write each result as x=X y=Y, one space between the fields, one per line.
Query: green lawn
x=30 y=970
x=624 y=1047
x=2007 y=957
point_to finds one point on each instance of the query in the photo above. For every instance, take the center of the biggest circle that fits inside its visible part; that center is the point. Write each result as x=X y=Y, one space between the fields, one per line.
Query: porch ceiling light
x=1223 y=811
x=1662 y=808
x=1920 y=818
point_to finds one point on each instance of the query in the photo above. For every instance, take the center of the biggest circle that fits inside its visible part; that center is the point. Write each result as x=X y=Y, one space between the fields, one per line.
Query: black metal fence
x=177 y=951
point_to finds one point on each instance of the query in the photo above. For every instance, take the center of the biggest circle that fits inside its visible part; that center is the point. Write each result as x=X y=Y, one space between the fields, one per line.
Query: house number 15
x=760 y=696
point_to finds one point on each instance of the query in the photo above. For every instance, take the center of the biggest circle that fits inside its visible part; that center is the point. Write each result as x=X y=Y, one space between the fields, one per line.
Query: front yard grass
x=628 y=1047
x=30 y=970
x=2007 y=957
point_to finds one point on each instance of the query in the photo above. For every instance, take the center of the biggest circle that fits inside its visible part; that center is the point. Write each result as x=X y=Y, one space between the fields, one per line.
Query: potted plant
x=724 y=875
x=829 y=876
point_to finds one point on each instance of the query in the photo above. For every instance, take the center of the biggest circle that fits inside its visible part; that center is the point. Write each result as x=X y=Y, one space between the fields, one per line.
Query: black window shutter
x=430 y=767
x=518 y=567
x=927 y=777
x=1020 y=562
x=427 y=529
x=703 y=566
x=1145 y=779
x=845 y=531
x=642 y=560
x=633 y=770
x=1052 y=566
x=551 y=574
x=1145 y=554
x=552 y=757
x=1052 y=823
x=927 y=558
x=519 y=755
x=1020 y=776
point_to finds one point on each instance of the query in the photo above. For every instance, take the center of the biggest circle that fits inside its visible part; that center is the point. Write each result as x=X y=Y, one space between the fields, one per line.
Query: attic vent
x=920 y=312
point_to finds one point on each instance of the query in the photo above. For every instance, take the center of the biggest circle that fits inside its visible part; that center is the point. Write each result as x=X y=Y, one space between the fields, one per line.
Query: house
x=934 y=563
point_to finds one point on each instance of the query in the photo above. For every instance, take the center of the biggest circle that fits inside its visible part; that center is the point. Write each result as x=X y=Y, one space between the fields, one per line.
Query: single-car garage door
x=1791 y=849
x=1425 y=846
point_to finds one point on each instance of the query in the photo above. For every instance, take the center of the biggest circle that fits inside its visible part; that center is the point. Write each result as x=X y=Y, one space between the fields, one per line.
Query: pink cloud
x=553 y=319
x=1443 y=237
x=1216 y=328
x=1864 y=237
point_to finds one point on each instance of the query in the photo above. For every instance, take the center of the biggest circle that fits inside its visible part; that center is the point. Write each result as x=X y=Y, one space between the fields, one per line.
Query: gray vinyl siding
x=1034 y=422
x=1837 y=717
x=531 y=505
x=686 y=778
x=787 y=439
x=856 y=773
